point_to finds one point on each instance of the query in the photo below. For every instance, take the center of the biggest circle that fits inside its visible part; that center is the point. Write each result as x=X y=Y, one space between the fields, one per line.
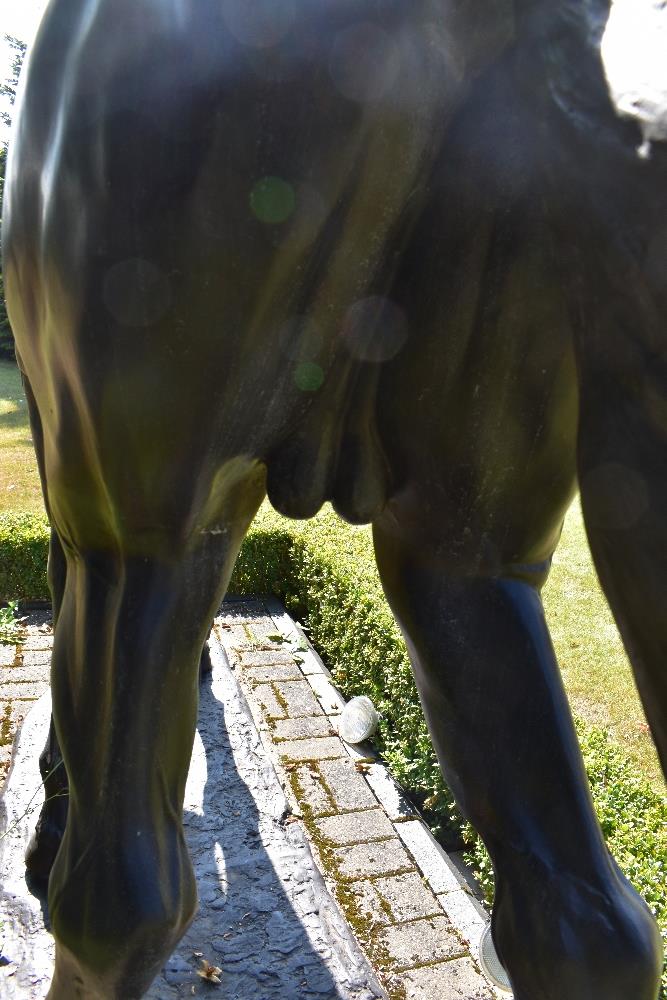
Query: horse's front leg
x=125 y=690
x=50 y=827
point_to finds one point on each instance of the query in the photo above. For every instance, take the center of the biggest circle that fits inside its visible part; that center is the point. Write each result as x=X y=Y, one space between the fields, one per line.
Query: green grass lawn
x=595 y=670
x=19 y=480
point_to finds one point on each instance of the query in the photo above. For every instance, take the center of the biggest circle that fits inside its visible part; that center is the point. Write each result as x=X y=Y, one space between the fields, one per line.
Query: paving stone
x=22 y=691
x=300 y=729
x=359 y=751
x=347 y=786
x=36 y=640
x=12 y=714
x=5 y=760
x=316 y=749
x=368 y=902
x=236 y=612
x=234 y=637
x=420 y=941
x=429 y=856
x=465 y=876
x=266 y=697
x=28 y=675
x=299 y=698
x=381 y=857
x=455 y=980
x=281 y=620
x=37 y=618
x=311 y=663
x=314 y=792
x=265 y=658
x=329 y=698
x=467 y=915
x=407 y=897
x=262 y=628
x=389 y=794
x=36 y=658
x=356 y=828
x=272 y=672
x=7 y=655
x=7 y=729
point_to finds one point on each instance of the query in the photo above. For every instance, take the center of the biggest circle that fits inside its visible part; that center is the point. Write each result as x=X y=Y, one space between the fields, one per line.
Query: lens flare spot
x=308 y=376
x=272 y=200
x=375 y=329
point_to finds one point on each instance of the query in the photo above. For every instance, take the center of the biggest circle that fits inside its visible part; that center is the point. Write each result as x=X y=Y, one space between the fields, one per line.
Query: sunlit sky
x=20 y=19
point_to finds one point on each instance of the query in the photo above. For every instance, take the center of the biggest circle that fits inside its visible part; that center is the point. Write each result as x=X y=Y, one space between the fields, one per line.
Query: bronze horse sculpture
x=401 y=255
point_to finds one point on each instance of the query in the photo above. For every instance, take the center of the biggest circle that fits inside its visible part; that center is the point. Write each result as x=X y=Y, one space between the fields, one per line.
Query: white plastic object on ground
x=358 y=720
x=491 y=965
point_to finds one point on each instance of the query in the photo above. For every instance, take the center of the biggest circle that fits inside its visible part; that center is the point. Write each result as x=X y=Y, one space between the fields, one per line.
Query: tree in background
x=8 y=90
x=6 y=338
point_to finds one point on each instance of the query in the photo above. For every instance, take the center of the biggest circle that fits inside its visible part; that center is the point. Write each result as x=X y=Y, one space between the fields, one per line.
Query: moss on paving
x=358 y=920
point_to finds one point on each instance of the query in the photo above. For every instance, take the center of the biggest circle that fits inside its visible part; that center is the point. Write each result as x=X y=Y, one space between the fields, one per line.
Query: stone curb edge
x=440 y=872
x=444 y=876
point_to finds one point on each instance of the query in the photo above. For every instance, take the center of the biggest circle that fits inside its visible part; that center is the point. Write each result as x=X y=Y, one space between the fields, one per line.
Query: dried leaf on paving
x=211 y=973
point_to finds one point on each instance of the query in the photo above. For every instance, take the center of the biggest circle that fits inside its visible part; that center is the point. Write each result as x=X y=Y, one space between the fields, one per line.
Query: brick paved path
x=24 y=676
x=405 y=900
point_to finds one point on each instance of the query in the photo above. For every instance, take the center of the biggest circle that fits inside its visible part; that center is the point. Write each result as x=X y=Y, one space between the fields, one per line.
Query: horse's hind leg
x=622 y=453
x=566 y=924
x=125 y=687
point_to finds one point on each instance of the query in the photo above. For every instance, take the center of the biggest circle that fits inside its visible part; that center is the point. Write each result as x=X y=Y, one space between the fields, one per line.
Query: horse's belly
x=222 y=207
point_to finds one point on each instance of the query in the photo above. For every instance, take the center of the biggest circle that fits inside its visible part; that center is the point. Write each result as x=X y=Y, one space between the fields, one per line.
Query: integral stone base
x=26 y=948
x=265 y=917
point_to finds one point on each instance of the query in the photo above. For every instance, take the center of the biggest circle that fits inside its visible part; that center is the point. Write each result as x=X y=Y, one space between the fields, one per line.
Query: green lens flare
x=308 y=376
x=272 y=200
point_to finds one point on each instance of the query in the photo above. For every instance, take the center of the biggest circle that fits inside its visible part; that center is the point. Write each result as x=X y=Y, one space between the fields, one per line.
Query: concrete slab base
x=265 y=916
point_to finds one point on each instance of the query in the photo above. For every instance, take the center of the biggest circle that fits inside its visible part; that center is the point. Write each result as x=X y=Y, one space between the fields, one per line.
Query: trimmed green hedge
x=324 y=572
x=24 y=548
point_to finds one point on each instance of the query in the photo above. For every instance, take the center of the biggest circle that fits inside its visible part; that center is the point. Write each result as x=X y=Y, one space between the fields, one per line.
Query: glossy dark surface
x=389 y=253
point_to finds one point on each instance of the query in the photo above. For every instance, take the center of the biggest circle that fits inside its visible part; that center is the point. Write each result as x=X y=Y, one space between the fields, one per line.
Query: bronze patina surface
x=401 y=255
